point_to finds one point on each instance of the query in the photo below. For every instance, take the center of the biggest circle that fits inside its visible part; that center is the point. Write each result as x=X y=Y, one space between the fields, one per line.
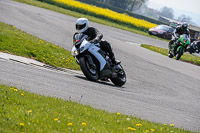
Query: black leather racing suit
x=95 y=36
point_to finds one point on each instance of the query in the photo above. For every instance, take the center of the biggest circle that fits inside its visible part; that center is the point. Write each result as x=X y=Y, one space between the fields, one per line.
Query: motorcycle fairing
x=73 y=51
x=94 y=51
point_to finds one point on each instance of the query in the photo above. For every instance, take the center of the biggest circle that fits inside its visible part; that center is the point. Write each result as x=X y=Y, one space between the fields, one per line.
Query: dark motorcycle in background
x=95 y=63
x=194 y=47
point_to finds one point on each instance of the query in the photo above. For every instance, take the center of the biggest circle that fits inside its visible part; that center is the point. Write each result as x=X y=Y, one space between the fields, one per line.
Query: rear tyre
x=198 y=51
x=120 y=79
x=190 y=50
x=89 y=71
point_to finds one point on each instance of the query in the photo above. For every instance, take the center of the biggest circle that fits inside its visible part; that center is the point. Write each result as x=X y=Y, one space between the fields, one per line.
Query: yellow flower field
x=108 y=13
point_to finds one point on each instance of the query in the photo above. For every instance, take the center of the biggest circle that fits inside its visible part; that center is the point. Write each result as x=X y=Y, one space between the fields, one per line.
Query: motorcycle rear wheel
x=90 y=73
x=120 y=80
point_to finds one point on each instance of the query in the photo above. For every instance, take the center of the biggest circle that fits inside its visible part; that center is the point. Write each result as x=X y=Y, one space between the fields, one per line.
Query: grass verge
x=21 y=111
x=19 y=43
x=185 y=57
x=89 y=17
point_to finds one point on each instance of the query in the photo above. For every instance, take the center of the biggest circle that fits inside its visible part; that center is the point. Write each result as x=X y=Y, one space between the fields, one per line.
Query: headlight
x=74 y=53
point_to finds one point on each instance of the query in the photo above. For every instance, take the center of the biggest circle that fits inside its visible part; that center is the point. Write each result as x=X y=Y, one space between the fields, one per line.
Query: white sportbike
x=95 y=63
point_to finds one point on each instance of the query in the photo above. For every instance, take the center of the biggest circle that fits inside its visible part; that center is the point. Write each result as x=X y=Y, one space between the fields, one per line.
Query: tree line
x=128 y=5
x=139 y=6
x=169 y=12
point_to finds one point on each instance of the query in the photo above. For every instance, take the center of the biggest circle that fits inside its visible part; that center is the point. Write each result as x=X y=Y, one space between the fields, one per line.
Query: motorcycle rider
x=180 y=30
x=94 y=36
x=195 y=46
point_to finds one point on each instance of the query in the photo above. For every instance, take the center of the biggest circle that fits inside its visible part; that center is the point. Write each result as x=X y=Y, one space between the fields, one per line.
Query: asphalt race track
x=158 y=88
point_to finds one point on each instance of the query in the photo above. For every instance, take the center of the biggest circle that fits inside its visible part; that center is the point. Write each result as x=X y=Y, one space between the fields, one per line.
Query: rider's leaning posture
x=180 y=30
x=82 y=26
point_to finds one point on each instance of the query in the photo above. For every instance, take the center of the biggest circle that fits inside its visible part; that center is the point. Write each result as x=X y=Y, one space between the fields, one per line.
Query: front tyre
x=89 y=71
x=120 y=80
x=179 y=54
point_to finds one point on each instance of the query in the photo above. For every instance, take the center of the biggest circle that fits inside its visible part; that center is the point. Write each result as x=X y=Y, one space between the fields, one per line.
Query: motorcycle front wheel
x=179 y=54
x=120 y=80
x=89 y=71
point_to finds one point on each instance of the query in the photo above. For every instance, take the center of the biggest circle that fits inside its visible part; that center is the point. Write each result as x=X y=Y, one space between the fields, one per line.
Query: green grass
x=89 y=17
x=17 y=42
x=21 y=111
x=185 y=57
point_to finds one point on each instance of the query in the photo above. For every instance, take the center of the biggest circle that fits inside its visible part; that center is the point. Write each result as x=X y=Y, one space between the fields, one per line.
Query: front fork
x=77 y=60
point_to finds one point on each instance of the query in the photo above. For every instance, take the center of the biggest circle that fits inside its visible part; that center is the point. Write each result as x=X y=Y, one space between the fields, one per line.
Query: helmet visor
x=80 y=27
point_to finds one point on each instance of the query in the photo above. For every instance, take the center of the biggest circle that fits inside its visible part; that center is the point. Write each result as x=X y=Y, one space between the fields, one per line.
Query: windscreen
x=79 y=38
x=185 y=37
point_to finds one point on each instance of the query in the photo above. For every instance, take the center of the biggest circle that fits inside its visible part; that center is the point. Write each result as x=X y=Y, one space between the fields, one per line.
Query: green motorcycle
x=179 y=47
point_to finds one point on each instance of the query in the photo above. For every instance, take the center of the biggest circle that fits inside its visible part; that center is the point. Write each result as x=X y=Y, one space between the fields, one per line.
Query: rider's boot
x=114 y=61
x=170 y=50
